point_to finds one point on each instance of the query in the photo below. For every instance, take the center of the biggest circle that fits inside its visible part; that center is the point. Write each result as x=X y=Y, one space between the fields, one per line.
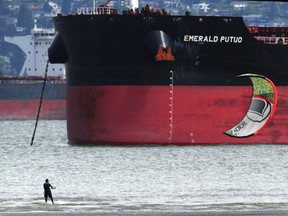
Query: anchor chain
x=40 y=103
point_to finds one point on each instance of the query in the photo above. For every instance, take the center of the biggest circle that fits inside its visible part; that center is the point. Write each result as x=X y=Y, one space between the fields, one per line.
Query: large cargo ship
x=147 y=77
x=20 y=95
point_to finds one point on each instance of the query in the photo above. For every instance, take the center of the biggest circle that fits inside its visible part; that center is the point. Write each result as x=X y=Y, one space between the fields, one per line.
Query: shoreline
x=275 y=212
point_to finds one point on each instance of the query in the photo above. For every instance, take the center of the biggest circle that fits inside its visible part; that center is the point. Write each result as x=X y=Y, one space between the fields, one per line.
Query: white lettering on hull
x=212 y=39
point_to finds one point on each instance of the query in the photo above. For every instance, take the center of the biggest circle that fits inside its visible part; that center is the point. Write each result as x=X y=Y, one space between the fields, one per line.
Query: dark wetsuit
x=47 y=191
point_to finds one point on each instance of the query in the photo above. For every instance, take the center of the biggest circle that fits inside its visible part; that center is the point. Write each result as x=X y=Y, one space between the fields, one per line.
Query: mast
x=94 y=5
x=134 y=4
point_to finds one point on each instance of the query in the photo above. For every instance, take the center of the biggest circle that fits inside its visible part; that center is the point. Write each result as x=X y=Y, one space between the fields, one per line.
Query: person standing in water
x=47 y=191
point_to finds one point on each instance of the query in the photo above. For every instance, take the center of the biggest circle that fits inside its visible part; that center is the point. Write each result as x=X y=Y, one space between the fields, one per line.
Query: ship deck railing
x=93 y=11
x=272 y=40
x=31 y=79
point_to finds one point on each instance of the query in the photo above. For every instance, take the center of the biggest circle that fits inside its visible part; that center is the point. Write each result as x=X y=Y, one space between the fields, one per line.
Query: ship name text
x=212 y=39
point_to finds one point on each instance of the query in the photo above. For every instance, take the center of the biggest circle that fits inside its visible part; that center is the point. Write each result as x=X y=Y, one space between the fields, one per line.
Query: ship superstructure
x=35 y=47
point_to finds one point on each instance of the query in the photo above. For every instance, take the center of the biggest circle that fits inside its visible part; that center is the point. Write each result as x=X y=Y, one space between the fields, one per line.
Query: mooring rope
x=40 y=104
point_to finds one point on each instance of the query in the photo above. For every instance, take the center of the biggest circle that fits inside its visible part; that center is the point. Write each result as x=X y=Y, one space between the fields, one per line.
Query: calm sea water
x=127 y=179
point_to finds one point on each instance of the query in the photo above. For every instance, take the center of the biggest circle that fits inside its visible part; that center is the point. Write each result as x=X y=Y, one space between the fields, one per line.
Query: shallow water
x=126 y=179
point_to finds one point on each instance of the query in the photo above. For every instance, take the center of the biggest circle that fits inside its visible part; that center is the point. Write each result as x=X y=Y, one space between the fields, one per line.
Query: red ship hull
x=27 y=109
x=20 y=98
x=181 y=115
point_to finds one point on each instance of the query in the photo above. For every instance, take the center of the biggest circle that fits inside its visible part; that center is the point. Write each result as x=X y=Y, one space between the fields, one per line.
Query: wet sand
x=207 y=213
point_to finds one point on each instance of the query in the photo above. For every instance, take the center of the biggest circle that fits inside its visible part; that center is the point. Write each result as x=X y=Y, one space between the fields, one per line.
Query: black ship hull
x=163 y=79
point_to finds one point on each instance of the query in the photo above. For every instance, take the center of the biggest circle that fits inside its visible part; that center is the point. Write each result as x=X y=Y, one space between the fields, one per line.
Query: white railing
x=272 y=40
x=93 y=11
